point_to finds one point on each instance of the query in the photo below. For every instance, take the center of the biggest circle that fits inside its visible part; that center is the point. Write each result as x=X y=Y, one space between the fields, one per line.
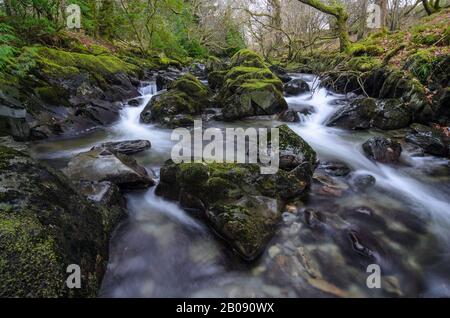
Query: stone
x=127 y=147
x=103 y=165
x=296 y=87
x=384 y=150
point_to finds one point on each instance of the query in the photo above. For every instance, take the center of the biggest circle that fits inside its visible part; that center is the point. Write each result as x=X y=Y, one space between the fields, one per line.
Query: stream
x=402 y=223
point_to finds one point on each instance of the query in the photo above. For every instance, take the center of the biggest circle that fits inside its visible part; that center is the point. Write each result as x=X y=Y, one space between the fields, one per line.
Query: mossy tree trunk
x=431 y=6
x=338 y=11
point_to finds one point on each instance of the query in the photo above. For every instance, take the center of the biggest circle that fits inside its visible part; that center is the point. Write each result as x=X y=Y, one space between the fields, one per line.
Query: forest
x=352 y=98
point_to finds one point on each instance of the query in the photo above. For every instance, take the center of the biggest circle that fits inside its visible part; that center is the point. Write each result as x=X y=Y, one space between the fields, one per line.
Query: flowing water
x=401 y=224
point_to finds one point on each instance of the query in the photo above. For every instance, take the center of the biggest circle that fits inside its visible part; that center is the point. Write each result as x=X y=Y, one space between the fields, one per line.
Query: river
x=402 y=223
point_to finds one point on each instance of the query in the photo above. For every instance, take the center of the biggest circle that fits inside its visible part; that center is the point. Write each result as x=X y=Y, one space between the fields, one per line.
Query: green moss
x=420 y=64
x=193 y=175
x=247 y=57
x=28 y=259
x=52 y=95
x=289 y=140
x=364 y=63
x=190 y=85
x=360 y=49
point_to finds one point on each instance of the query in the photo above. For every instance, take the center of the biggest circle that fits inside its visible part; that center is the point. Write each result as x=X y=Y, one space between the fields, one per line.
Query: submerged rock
x=103 y=165
x=46 y=225
x=362 y=182
x=185 y=98
x=127 y=147
x=382 y=149
x=337 y=169
x=296 y=86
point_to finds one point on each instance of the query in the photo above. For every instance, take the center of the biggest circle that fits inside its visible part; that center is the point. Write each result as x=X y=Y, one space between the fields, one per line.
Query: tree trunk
x=363 y=20
x=341 y=15
x=383 y=12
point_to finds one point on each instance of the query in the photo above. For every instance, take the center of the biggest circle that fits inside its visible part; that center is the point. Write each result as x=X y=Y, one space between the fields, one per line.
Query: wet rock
x=313 y=218
x=103 y=165
x=295 y=151
x=289 y=116
x=382 y=149
x=13 y=114
x=280 y=73
x=165 y=78
x=337 y=169
x=361 y=183
x=105 y=194
x=45 y=224
x=185 y=98
x=198 y=70
x=135 y=102
x=366 y=113
x=250 y=89
x=429 y=139
x=358 y=245
x=127 y=147
x=296 y=87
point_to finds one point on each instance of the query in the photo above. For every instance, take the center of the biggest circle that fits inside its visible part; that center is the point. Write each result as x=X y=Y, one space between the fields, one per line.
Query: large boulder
x=250 y=89
x=430 y=140
x=382 y=149
x=364 y=113
x=185 y=98
x=242 y=205
x=101 y=164
x=45 y=226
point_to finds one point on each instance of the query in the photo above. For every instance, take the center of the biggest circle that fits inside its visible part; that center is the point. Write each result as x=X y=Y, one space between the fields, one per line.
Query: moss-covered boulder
x=184 y=99
x=45 y=226
x=242 y=205
x=250 y=88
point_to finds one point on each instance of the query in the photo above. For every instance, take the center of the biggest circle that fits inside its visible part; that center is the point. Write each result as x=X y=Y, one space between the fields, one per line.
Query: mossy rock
x=186 y=97
x=250 y=90
x=45 y=225
x=241 y=204
x=247 y=58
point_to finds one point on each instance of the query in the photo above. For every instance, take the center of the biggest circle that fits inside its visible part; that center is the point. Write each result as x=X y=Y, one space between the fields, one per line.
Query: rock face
x=127 y=147
x=46 y=225
x=185 y=98
x=366 y=113
x=250 y=88
x=382 y=149
x=296 y=86
x=241 y=205
x=103 y=165
x=429 y=139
